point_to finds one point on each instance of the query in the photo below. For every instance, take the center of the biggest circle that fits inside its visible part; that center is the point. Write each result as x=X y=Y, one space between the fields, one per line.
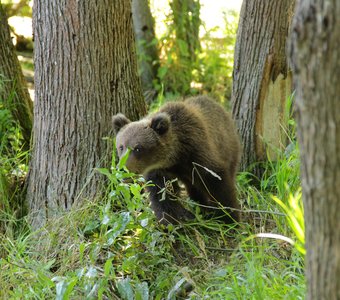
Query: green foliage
x=216 y=58
x=13 y=168
x=96 y=251
x=180 y=47
x=295 y=217
x=26 y=62
x=10 y=135
x=17 y=8
x=279 y=190
x=190 y=64
x=257 y=275
x=113 y=248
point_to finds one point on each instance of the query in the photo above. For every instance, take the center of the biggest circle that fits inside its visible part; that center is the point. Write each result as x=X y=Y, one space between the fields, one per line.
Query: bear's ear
x=160 y=123
x=119 y=121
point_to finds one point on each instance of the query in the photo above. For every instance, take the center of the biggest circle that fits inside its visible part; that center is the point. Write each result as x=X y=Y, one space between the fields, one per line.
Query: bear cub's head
x=149 y=140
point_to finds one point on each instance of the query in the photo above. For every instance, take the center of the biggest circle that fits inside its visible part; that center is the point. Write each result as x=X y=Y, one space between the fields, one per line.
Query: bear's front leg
x=217 y=191
x=163 y=195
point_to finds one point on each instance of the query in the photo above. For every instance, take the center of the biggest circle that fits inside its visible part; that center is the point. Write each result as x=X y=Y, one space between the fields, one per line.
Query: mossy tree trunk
x=85 y=72
x=261 y=78
x=186 y=45
x=13 y=91
x=315 y=53
x=148 y=58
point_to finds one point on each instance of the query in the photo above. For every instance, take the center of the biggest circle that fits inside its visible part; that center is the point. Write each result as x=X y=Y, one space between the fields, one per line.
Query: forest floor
x=113 y=248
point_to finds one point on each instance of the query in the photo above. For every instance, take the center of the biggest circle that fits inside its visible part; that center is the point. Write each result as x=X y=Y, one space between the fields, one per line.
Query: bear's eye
x=138 y=149
x=121 y=148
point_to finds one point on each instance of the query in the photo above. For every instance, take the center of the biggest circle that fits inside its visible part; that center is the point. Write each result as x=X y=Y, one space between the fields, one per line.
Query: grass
x=112 y=248
x=13 y=167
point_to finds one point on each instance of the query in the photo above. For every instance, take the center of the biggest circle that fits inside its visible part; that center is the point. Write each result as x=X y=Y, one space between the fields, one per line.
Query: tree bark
x=315 y=54
x=148 y=58
x=13 y=90
x=261 y=77
x=85 y=72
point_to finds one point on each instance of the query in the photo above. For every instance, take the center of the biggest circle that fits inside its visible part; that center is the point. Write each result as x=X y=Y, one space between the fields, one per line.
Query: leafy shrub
x=112 y=247
x=189 y=66
x=216 y=58
x=13 y=168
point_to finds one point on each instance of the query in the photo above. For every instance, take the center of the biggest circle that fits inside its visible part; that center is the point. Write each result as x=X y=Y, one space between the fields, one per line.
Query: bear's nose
x=131 y=165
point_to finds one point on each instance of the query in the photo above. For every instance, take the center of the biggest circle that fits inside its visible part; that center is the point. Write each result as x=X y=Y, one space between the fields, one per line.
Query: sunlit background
x=217 y=35
x=212 y=13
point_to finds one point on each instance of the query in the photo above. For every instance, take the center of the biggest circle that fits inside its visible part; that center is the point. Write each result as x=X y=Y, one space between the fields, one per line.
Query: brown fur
x=194 y=141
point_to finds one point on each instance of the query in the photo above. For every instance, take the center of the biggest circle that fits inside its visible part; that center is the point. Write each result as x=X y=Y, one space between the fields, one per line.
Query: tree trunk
x=13 y=90
x=148 y=59
x=85 y=71
x=261 y=80
x=315 y=53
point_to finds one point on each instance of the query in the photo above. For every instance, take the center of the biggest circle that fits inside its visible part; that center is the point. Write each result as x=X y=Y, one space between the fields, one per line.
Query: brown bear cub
x=194 y=141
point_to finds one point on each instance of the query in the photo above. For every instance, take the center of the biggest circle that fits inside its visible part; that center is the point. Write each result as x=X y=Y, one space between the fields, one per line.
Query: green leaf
x=81 y=251
x=108 y=267
x=174 y=290
x=162 y=72
x=123 y=159
x=70 y=286
x=60 y=289
x=183 y=47
x=47 y=282
x=92 y=227
x=142 y=291
x=125 y=289
x=118 y=227
x=104 y=171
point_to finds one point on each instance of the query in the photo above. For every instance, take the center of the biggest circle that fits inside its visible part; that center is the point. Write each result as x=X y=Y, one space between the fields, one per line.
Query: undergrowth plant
x=13 y=168
x=194 y=59
x=217 y=57
x=277 y=200
x=179 y=47
x=113 y=248
x=96 y=251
